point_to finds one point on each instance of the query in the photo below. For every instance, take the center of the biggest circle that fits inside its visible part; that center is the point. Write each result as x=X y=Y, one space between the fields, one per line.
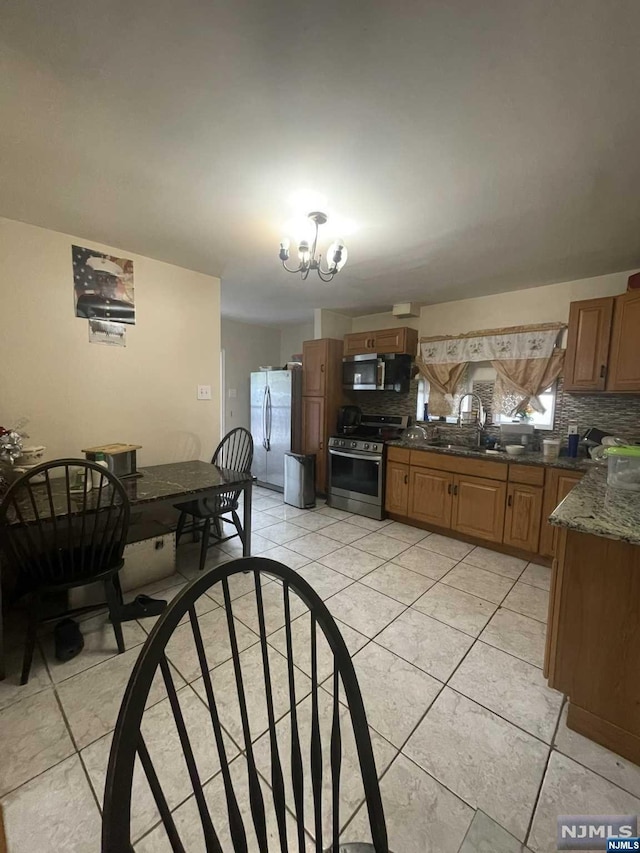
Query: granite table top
x=531 y=458
x=157 y=483
x=593 y=507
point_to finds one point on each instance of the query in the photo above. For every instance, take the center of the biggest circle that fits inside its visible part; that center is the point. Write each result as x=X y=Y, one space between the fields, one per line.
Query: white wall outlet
x=204 y=392
x=232 y=393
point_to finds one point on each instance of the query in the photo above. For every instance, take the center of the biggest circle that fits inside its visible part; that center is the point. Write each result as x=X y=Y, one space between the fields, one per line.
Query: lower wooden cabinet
x=559 y=484
x=430 y=496
x=522 y=517
x=397 y=488
x=313 y=436
x=478 y=507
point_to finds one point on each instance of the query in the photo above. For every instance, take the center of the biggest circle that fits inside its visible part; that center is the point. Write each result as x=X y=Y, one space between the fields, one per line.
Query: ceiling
x=479 y=147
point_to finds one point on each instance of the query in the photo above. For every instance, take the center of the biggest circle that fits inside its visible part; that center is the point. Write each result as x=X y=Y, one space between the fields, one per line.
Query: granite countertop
x=592 y=507
x=531 y=458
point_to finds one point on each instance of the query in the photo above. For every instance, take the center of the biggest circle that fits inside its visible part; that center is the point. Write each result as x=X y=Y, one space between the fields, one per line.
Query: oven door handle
x=354 y=454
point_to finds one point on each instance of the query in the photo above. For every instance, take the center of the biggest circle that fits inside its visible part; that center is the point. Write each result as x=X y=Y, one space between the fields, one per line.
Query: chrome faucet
x=480 y=418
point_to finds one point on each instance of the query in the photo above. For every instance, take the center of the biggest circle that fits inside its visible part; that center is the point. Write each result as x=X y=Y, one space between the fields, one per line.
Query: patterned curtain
x=445 y=381
x=526 y=360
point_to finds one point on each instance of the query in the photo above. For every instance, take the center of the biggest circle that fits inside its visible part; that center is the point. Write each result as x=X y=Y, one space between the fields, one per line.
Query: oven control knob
x=366 y=447
x=341 y=443
x=354 y=444
x=375 y=447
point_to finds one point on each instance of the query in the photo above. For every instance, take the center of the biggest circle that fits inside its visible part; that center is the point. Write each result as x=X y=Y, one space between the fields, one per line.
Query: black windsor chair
x=234 y=453
x=54 y=538
x=306 y=736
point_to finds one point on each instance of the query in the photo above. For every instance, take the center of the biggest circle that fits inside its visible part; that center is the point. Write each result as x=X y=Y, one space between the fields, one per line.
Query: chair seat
x=210 y=507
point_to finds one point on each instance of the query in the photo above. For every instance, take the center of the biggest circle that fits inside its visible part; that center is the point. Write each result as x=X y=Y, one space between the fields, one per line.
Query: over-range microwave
x=371 y=372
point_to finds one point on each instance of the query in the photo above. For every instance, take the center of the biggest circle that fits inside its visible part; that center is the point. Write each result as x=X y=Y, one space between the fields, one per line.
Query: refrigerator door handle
x=269 y=418
x=264 y=418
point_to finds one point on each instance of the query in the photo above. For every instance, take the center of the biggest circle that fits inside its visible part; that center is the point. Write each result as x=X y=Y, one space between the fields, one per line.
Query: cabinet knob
x=321 y=445
x=449 y=489
x=603 y=371
x=510 y=500
x=322 y=368
x=406 y=479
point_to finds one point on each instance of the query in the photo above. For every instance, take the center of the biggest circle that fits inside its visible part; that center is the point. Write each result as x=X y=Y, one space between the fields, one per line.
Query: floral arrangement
x=11 y=439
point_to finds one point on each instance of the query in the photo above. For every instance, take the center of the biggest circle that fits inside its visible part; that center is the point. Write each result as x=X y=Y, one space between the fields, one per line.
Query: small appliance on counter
x=120 y=458
x=356 y=464
x=349 y=419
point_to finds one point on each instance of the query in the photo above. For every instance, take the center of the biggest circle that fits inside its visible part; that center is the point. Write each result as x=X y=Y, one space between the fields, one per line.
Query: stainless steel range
x=357 y=463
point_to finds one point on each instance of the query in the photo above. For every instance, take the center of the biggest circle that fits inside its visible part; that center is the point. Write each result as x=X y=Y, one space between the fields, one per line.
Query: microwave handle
x=381 y=371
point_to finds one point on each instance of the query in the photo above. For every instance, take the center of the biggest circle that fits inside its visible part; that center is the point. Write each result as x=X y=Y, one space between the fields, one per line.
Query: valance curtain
x=525 y=358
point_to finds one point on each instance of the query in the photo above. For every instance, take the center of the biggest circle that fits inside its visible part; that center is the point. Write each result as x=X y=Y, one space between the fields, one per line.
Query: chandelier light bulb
x=284 y=249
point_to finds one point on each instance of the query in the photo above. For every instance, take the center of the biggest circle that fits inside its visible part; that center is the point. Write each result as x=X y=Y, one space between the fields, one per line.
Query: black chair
x=304 y=753
x=234 y=453
x=54 y=538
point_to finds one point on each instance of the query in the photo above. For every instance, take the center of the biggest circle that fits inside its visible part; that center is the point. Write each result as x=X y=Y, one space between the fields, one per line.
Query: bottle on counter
x=96 y=475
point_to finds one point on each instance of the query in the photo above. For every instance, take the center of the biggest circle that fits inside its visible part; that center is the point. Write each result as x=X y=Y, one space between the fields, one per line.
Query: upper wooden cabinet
x=315 y=356
x=400 y=340
x=322 y=395
x=359 y=343
x=603 y=345
x=624 y=358
x=588 y=344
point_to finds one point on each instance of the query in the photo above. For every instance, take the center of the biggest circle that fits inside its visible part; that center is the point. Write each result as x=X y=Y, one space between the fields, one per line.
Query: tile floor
x=471 y=745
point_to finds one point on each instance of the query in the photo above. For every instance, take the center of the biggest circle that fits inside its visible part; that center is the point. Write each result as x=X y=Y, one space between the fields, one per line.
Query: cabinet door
x=624 y=358
x=358 y=343
x=313 y=414
x=314 y=368
x=559 y=484
x=430 y=496
x=522 y=518
x=397 y=488
x=390 y=340
x=588 y=344
x=478 y=507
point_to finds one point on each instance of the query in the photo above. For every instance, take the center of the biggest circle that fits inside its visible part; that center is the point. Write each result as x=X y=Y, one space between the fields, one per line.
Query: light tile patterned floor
x=447 y=640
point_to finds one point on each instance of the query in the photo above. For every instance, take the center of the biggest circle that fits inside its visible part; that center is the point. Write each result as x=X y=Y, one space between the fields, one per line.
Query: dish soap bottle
x=96 y=475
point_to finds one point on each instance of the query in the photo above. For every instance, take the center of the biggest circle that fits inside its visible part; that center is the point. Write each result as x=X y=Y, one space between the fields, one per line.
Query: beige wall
x=330 y=324
x=76 y=394
x=537 y=305
x=544 y=304
x=247 y=347
x=292 y=338
x=386 y=320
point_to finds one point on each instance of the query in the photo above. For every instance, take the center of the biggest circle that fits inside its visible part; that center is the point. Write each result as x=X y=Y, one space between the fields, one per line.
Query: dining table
x=157 y=486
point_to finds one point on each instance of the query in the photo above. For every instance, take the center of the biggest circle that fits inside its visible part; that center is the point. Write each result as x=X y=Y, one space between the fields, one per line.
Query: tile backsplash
x=616 y=413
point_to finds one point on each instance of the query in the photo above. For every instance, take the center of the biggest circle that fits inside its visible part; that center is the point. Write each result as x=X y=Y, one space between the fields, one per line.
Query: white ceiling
x=479 y=145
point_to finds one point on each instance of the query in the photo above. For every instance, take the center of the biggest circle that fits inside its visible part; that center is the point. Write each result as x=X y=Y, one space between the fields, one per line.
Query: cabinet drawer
x=526 y=474
x=459 y=465
x=398 y=454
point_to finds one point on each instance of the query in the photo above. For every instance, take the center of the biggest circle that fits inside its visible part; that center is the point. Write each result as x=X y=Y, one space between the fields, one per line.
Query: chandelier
x=336 y=254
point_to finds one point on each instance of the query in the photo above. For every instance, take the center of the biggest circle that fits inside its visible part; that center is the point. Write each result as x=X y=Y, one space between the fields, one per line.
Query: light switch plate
x=204 y=392
x=232 y=393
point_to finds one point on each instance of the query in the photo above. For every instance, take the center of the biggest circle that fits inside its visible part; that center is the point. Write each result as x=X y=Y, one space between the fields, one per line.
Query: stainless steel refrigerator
x=276 y=422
